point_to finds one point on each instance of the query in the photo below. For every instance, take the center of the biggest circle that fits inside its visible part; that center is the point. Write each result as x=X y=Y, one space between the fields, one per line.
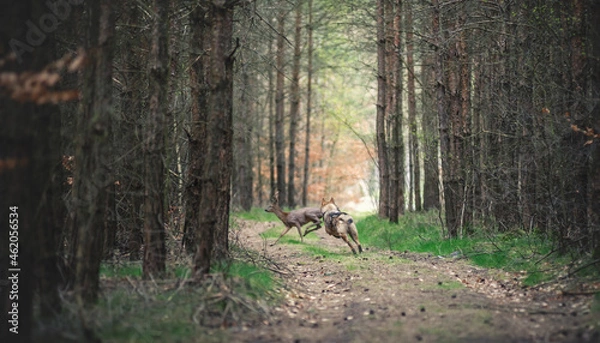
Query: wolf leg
x=345 y=238
x=310 y=229
x=354 y=235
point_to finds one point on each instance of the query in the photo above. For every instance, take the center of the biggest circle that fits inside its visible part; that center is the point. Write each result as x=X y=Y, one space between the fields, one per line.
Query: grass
x=256 y=214
x=134 y=270
x=250 y=279
x=291 y=237
x=131 y=309
x=529 y=254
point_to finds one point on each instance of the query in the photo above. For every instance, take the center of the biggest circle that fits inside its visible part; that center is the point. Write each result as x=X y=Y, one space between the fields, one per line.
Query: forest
x=142 y=134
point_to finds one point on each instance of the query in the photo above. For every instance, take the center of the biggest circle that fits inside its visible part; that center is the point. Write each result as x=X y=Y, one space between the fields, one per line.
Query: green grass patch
x=291 y=237
x=250 y=279
x=512 y=251
x=256 y=214
x=169 y=310
x=325 y=253
x=133 y=270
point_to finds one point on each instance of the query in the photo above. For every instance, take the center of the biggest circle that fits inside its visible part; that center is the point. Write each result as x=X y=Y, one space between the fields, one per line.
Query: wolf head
x=328 y=206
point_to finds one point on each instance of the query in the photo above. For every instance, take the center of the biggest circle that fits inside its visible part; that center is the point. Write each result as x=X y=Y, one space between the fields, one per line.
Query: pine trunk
x=279 y=108
x=154 y=147
x=294 y=106
x=93 y=178
x=384 y=177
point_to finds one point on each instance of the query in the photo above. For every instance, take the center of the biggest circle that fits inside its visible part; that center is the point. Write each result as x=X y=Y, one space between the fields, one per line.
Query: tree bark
x=31 y=179
x=429 y=126
x=272 y=121
x=413 y=145
x=594 y=191
x=93 y=177
x=213 y=212
x=130 y=170
x=279 y=108
x=395 y=112
x=154 y=146
x=384 y=178
x=198 y=127
x=294 y=106
x=244 y=125
x=308 y=105
x=443 y=119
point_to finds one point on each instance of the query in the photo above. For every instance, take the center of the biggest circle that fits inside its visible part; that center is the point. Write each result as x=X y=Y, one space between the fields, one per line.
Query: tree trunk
x=213 y=212
x=244 y=124
x=130 y=170
x=272 y=121
x=430 y=136
x=594 y=191
x=198 y=131
x=294 y=106
x=31 y=178
x=308 y=105
x=413 y=145
x=93 y=177
x=384 y=181
x=154 y=146
x=395 y=112
x=279 y=99
x=443 y=120
x=464 y=130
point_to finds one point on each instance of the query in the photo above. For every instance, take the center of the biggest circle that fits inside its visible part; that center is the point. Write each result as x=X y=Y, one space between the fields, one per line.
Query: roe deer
x=339 y=224
x=296 y=218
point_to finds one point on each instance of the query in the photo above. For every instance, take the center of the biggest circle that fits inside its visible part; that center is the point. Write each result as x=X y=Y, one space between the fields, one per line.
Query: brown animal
x=339 y=224
x=296 y=218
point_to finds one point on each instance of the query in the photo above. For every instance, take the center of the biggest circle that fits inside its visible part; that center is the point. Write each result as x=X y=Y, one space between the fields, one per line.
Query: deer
x=296 y=218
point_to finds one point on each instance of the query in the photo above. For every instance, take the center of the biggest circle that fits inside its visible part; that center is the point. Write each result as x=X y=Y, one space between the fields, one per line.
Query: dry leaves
x=40 y=87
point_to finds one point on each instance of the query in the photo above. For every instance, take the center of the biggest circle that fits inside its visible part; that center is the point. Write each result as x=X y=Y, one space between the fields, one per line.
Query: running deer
x=297 y=218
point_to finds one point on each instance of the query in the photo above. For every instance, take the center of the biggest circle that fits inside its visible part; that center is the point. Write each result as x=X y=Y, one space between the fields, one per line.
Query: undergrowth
x=175 y=308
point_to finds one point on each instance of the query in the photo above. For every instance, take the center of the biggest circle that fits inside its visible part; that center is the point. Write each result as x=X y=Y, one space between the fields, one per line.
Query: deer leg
x=287 y=228
x=300 y=233
x=315 y=227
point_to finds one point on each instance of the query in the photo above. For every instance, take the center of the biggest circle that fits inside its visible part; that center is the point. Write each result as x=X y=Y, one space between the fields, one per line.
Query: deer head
x=274 y=203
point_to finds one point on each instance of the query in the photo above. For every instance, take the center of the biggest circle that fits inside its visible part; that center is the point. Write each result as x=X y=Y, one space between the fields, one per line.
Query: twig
x=581 y=268
x=136 y=289
x=545 y=256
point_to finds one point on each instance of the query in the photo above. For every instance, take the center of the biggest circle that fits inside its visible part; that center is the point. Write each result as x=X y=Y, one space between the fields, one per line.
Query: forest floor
x=382 y=296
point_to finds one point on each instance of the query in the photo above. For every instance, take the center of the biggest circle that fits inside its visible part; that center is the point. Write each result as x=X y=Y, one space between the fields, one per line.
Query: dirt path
x=401 y=297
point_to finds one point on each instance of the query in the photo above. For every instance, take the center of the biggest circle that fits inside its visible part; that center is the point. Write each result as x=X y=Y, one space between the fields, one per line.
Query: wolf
x=338 y=224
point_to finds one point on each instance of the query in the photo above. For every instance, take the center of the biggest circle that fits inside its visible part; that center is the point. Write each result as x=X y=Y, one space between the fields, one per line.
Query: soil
x=382 y=296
